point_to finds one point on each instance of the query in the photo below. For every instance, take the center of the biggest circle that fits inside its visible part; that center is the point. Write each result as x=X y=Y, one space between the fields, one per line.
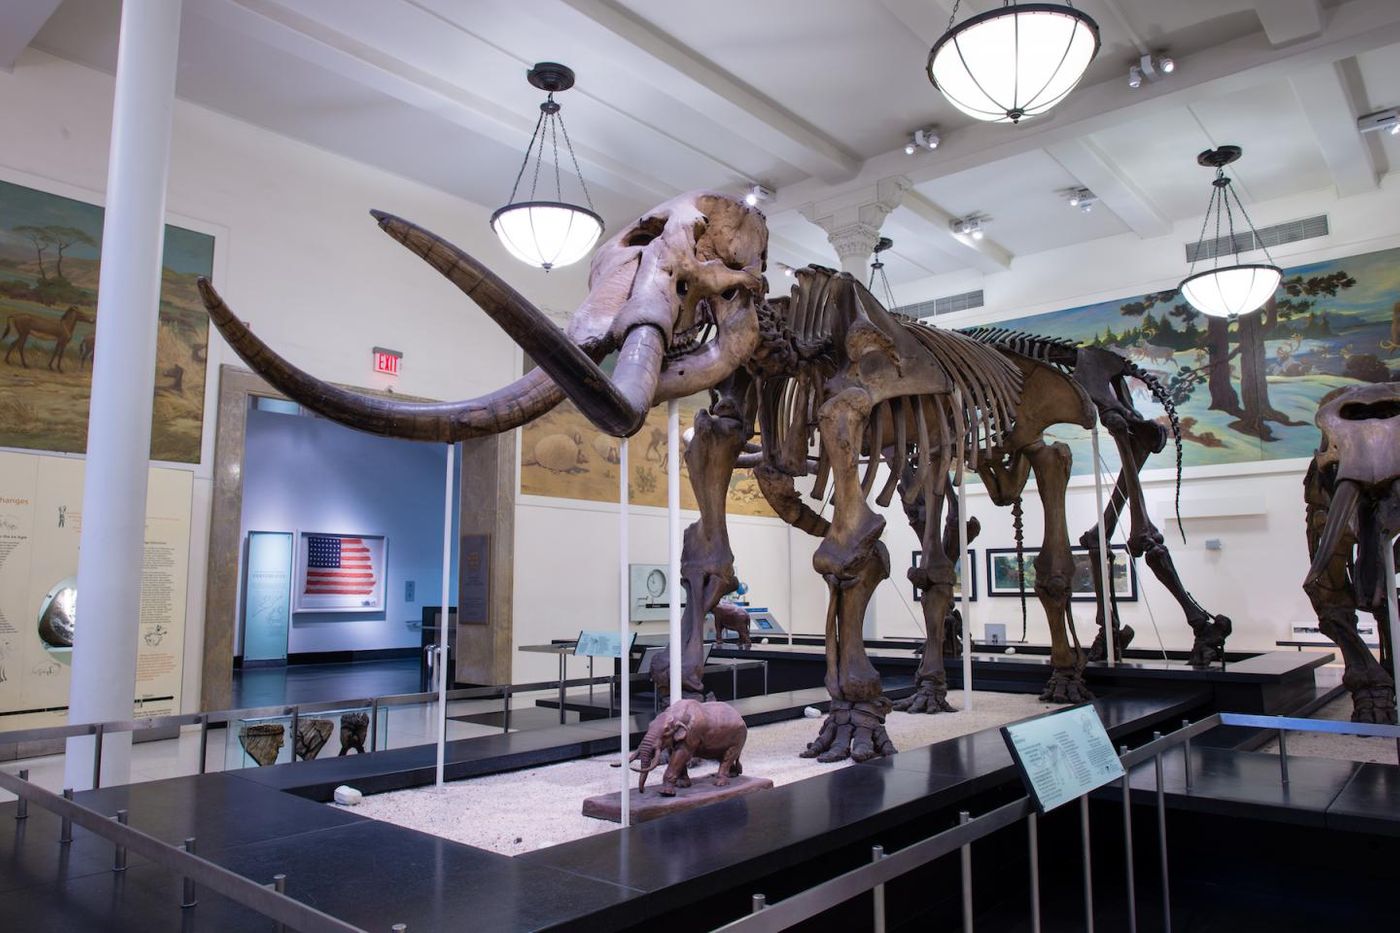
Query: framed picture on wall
x=340 y=573
x=958 y=566
x=1005 y=577
x=1124 y=573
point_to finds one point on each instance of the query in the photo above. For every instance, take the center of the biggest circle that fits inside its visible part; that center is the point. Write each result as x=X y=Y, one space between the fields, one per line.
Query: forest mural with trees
x=1247 y=389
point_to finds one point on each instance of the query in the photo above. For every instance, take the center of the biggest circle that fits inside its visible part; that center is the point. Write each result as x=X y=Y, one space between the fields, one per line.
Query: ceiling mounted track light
x=544 y=233
x=926 y=138
x=1015 y=62
x=969 y=226
x=1151 y=68
x=1082 y=198
x=757 y=194
x=1239 y=287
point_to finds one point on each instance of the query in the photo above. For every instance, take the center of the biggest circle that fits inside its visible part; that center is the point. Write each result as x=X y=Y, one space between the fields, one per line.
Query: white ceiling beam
x=1355 y=27
x=1115 y=191
x=717 y=94
x=926 y=19
x=985 y=255
x=20 y=22
x=1331 y=111
x=1287 y=21
x=282 y=27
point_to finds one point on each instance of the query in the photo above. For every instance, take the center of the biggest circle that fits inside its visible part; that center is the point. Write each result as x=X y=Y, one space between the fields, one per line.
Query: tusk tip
x=206 y=292
x=381 y=216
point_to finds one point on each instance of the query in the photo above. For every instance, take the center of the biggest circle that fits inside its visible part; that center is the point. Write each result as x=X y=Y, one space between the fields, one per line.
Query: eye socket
x=682 y=287
x=730 y=293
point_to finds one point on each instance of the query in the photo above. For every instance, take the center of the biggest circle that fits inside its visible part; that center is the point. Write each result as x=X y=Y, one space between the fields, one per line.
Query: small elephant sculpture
x=686 y=730
x=732 y=618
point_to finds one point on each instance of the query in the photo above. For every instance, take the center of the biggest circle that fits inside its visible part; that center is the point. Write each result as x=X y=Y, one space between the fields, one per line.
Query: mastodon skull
x=690 y=269
x=1360 y=459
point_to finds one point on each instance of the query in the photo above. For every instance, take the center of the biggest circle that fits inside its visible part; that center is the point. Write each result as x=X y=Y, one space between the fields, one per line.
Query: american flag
x=338 y=566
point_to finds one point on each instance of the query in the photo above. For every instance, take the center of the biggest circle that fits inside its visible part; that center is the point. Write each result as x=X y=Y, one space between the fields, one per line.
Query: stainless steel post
x=759 y=902
x=1283 y=756
x=22 y=804
x=65 y=832
x=279 y=884
x=966 y=856
x=188 y=899
x=590 y=678
x=203 y=742
x=296 y=721
x=1033 y=835
x=97 y=756
x=877 y=853
x=505 y=725
x=1162 y=841
x=119 y=858
x=562 y=672
x=1128 y=844
x=1186 y=754
x=374 y=724
x=1088 y=865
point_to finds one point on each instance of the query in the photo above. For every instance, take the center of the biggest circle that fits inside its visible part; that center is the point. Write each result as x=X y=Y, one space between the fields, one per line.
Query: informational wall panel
x=41 y=520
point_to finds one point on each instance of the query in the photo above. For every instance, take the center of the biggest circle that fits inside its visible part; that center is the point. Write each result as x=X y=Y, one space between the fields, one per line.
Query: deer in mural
x=60 y=332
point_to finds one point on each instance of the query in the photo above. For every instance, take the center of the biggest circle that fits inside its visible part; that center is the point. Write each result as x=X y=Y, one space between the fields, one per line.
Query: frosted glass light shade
x=1013 y=62
x=1232 y=290
x=547 y=234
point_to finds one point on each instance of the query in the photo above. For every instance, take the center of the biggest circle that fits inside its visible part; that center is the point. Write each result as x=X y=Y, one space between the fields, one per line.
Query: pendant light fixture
x=1014 y=62
x=1239 y=287
x=877 y=271
x=545 y=233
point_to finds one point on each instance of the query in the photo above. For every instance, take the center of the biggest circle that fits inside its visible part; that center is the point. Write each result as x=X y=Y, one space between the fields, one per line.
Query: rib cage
x=931 y=434
x=1055 y=351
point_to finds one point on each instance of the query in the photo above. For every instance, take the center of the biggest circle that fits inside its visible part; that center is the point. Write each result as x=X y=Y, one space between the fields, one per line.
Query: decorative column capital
x=852 y=221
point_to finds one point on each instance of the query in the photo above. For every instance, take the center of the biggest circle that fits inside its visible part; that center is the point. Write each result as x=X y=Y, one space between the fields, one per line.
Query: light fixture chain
x=554 y=140
x=1215 y=257
x=953 y=15
x=1230 y=220
x=577 y=171
x=1201 y=237
x=521 y=174
x=1258 y=239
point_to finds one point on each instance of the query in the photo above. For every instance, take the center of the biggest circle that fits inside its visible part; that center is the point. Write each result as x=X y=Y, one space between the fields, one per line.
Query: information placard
x=1063 y=755
x=600 y=644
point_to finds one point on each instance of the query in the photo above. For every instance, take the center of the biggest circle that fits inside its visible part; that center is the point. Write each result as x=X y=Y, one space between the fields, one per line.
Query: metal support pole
x=624 y=624
x=203 y=742
x=1392 y=604
x=188 y=898
x=563 y=676
x=1186 y=754
x=759 y=902
x=279 y=882
x=966 y=591
x=1088 y=865
x=1033 y=841
x=296 y=724
x=1283 y=756
x=119 y=856
x=505 y=721
x=445 y=616
x=877 y=853
x=374 y=724
x=673 y=528
x=97 y=756
x=22 y=804
x=1162 y=841
x=966 y=856
x=1128 y=844
x=65 y=831
x=1110 y=636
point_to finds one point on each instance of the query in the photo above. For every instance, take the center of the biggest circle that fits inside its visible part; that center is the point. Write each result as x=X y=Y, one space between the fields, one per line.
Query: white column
x=673 y=528
x=443 y=618
x=852 y=221
x=624 y=622
x=123 y=380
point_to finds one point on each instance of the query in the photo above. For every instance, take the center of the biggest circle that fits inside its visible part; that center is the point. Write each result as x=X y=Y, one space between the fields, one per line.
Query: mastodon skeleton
x=827 y=368
x=1104 y=376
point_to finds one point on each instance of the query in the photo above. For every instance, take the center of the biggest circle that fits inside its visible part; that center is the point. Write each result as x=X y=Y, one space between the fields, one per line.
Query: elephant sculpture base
x=652 y=805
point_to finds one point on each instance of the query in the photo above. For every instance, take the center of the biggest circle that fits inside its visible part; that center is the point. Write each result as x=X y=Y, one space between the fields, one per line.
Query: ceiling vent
x=947 y=305
x=1278 y=234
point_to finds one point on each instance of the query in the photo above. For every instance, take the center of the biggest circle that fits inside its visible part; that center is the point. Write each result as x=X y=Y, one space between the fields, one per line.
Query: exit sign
x=387 y=361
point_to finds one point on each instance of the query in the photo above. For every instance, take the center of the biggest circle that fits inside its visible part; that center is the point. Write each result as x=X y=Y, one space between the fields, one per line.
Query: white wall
x=296 y=253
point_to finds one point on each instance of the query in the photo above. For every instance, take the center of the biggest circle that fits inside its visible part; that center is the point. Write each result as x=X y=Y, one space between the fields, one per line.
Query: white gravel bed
x=1344 y=747
x=521 y=811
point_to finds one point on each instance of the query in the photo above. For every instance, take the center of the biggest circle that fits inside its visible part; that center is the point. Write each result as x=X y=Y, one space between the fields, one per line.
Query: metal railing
x=885 y=867
x=222 y=717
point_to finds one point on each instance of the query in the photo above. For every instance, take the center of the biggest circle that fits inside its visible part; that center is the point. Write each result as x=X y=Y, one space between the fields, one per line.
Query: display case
x=258 y=741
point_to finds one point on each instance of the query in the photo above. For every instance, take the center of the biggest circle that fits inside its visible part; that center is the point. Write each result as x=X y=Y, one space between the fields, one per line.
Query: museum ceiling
x=814 y=98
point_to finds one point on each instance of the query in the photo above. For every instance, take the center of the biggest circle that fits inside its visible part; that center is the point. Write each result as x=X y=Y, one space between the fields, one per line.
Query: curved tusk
x=1339 y=515
x=523 y=400
x=617 y=406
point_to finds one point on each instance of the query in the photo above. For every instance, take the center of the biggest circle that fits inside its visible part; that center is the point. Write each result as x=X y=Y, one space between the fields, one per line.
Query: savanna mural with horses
x=50 y=249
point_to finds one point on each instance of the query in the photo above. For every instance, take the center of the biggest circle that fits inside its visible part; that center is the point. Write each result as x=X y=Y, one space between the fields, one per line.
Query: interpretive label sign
x=1063 y=755
x=599 y=644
